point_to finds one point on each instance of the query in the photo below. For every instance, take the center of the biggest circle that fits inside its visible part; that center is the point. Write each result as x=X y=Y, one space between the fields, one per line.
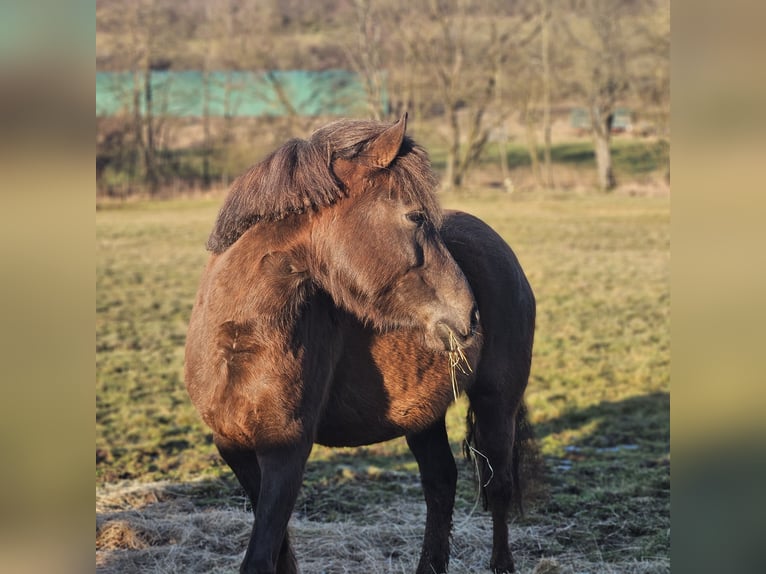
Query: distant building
x=579 y=119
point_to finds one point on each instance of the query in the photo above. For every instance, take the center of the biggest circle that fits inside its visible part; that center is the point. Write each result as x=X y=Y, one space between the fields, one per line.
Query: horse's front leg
x=244 y=462
x=438 y=475
x=281 y=474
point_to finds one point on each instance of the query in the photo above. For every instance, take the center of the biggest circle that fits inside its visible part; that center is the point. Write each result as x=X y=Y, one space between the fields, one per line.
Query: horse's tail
x=526 y=463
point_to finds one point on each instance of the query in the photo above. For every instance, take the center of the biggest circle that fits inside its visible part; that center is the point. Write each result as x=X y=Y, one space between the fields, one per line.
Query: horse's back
x=492 y=268
x=503 y=294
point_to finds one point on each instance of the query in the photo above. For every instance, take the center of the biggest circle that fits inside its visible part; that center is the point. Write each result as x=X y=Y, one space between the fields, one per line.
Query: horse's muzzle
x=458 y=335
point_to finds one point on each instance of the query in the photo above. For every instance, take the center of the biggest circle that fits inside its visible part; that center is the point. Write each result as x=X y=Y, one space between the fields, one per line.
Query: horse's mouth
x=453 y=340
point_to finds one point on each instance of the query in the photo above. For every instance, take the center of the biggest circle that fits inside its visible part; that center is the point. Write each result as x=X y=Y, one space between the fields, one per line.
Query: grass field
x=598 y=396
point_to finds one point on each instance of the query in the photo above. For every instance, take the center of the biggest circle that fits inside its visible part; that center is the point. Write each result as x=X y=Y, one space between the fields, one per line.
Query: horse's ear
x=383 y=149
x=377 y=154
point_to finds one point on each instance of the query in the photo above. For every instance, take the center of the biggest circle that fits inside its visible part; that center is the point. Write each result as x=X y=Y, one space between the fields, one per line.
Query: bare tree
x=146 y=42
x=651 y=66
x=459 y=48
x=260 y=49
x=529 y=69
x=600 y=75
x=547 y=80
x=545 y=58
x=227 y=48
x=365 y=55
x=146 y=29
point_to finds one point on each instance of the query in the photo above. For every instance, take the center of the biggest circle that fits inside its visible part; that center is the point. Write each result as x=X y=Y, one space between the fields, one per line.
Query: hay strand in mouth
x=457 y=361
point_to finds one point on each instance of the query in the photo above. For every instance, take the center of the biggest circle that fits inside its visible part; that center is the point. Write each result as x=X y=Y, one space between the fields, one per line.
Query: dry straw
x=157 y=528
x=457 y=361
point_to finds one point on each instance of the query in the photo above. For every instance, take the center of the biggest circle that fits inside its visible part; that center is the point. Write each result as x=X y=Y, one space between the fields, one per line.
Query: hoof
x=502 y=565
x=428 y=568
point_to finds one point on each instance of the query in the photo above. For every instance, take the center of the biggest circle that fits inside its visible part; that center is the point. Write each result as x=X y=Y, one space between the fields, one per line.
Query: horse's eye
x=417 y=217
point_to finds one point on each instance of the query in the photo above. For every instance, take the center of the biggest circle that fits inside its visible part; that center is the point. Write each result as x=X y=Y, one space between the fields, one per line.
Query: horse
x=341 y=305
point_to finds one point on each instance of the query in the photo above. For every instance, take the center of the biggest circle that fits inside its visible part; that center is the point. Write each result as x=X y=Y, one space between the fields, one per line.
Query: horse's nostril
x=474 y=318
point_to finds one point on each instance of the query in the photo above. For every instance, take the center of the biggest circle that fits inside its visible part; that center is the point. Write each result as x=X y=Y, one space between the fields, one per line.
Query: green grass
x=149 y=257
x=631 y=158
x=598 y=394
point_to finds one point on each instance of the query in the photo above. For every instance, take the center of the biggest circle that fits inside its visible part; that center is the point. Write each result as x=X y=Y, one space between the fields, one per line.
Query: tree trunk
x=365 y=57
x=207 y=145
x=138 y=127
x=546 y=47
x=453 y=177
x=532 y=145
x=149 y=149
x=606 y=180
x=502 y=152
x=601 y=118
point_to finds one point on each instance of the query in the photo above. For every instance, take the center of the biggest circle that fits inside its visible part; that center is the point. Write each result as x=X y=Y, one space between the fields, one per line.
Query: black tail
x=526 y=463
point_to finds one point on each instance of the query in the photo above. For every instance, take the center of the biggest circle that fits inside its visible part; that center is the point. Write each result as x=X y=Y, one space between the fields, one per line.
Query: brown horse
x=335 y=297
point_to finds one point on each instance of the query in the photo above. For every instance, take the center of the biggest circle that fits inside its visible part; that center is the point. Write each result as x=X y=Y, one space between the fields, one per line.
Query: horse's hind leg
x=493 y=430
x=438 y=475
x=244 y=463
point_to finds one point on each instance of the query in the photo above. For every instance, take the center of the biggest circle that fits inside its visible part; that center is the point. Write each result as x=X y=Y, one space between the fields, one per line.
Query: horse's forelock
x=298 y=177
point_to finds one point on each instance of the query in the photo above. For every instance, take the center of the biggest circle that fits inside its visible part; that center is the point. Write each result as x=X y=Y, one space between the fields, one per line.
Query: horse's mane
x=298 y=177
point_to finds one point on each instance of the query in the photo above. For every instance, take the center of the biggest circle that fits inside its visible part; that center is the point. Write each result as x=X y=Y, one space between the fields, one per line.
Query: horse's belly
x=388 y=385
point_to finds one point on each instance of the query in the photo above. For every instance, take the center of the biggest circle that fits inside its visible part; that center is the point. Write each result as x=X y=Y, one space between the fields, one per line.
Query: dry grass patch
x=173 y=534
